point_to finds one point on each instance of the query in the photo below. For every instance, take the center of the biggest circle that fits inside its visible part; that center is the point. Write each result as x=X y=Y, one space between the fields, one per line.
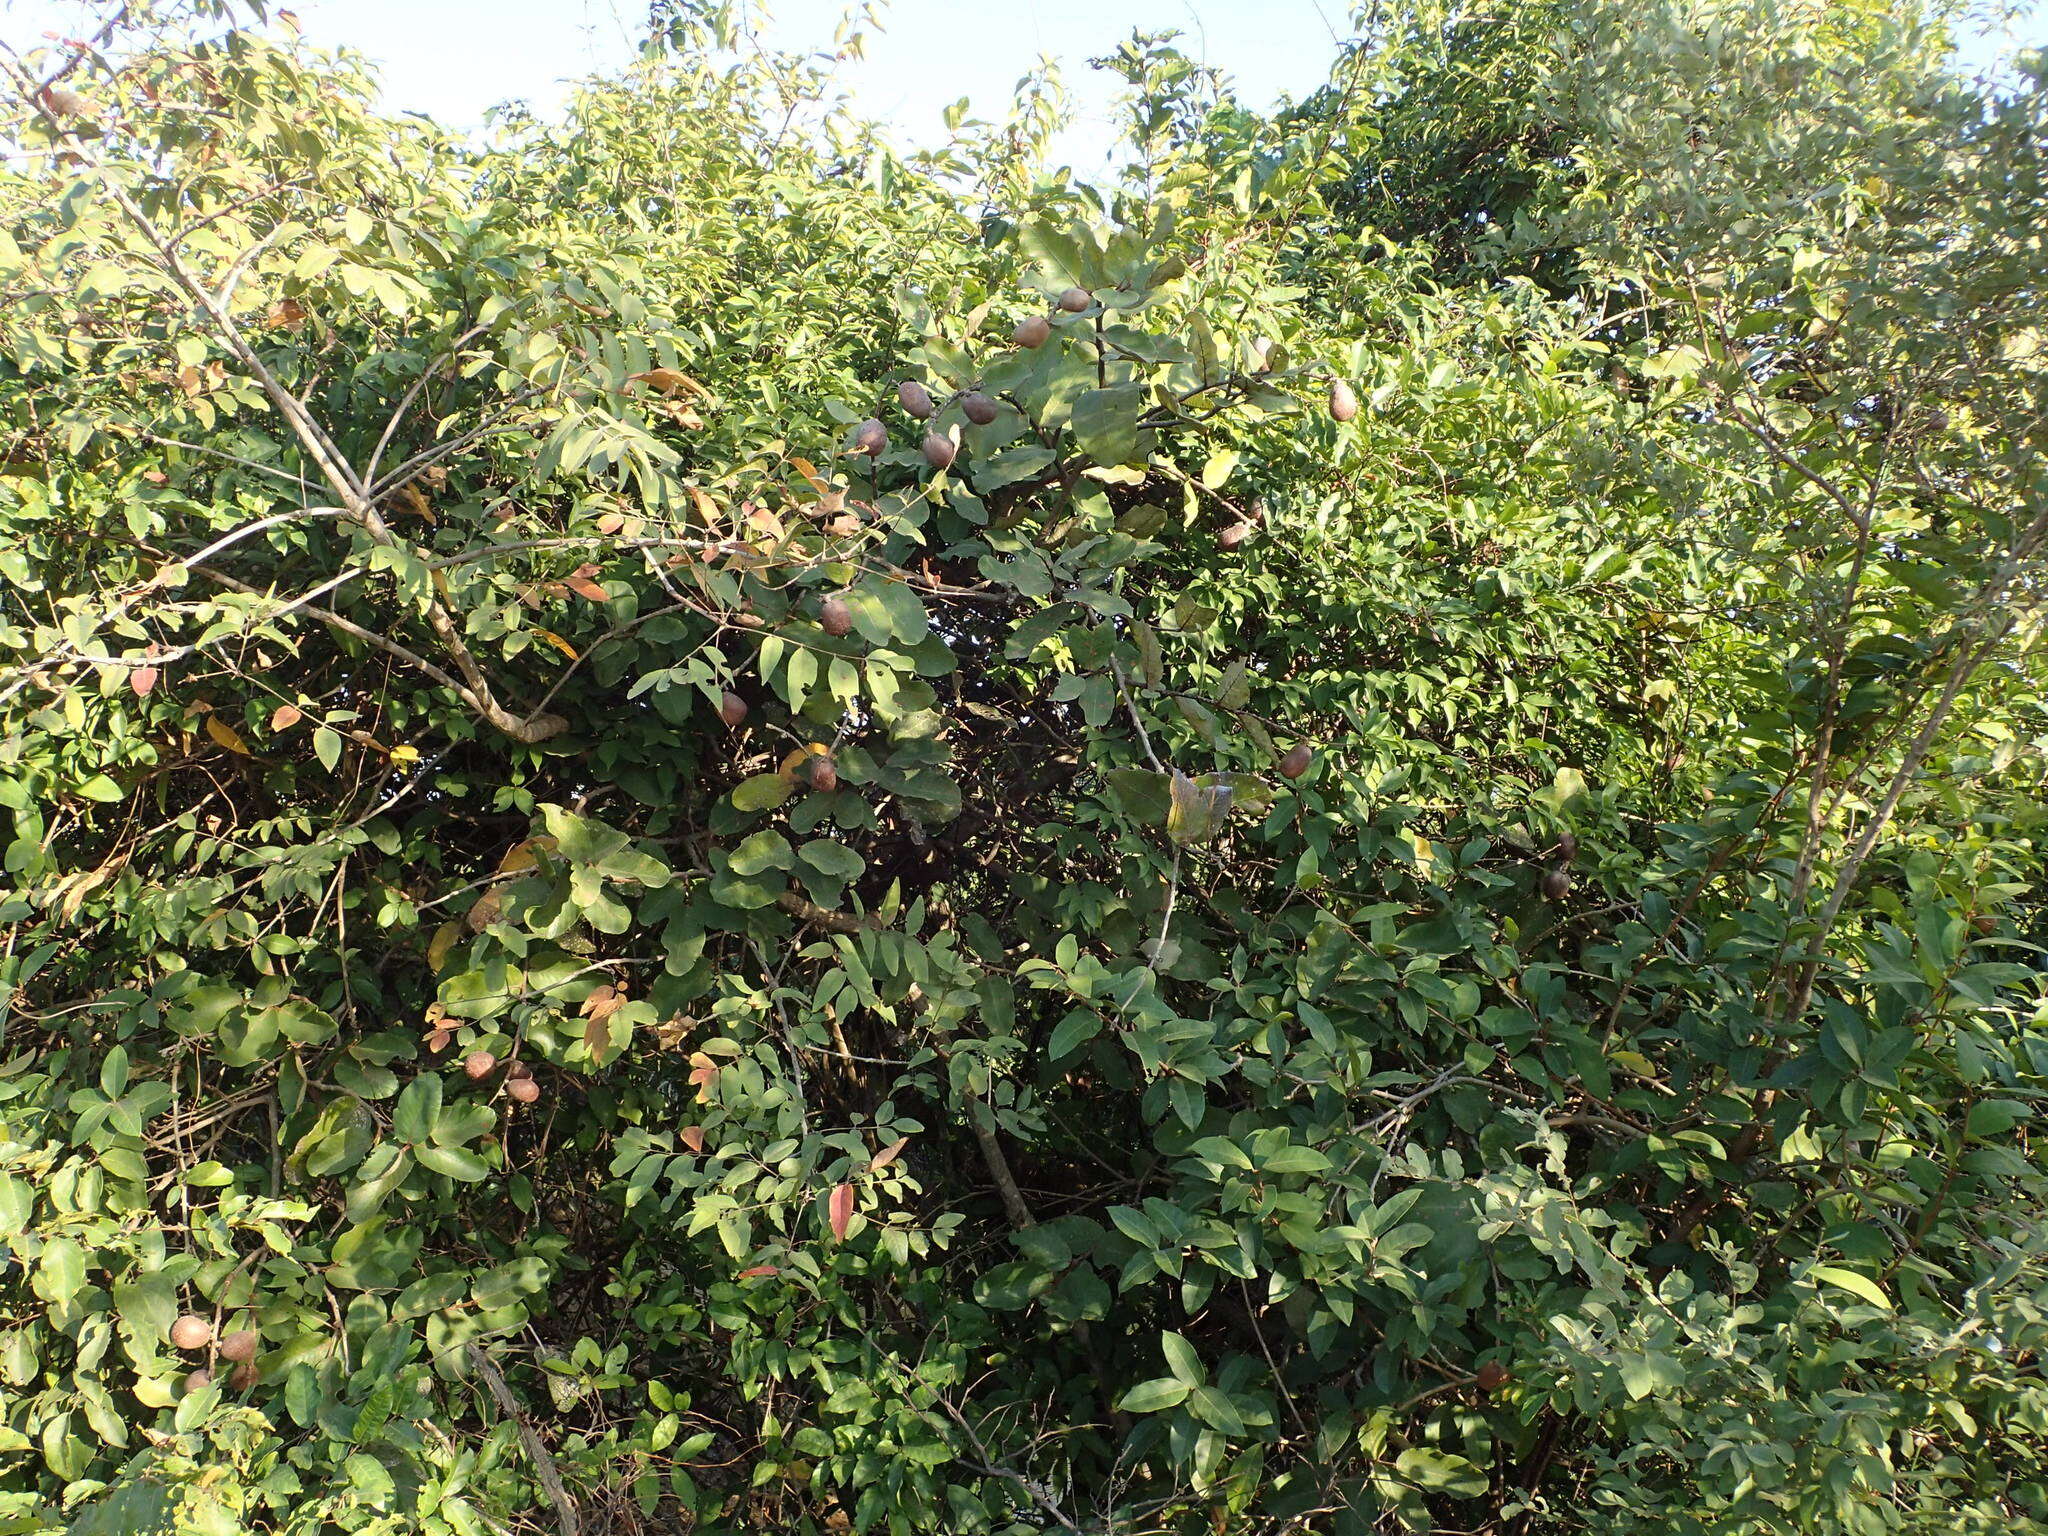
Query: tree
x=715 y=827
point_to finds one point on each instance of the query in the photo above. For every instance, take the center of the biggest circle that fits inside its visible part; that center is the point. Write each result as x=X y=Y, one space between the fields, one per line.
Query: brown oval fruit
x=1567 y=846
x=515 y=1071
x=239 y=1346
x=870 y=437
x=191 y=1333
x=1984 y=923
x=1032 y=331
x=65 y=103
x=978 y=408
x=1556 y=885
x=1343 y=403
x=479 y=1065
x=198 y=1380
x=524 y=1089
x=915 y=399
x=1234 y=535
x=1491 y=1377
x=243 y=1377
x=732 y=709
x=938 y=451
x=1297 y=760
x=1074 y=300
x=834 y=617
x=824 y=775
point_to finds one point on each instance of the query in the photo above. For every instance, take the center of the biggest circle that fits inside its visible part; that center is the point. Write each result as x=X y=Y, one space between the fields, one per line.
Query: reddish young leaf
x=841 y=1210
x=759 y=1269
x=284 y=717
x=142 y=679
x=586 y=589
x=693 y=1137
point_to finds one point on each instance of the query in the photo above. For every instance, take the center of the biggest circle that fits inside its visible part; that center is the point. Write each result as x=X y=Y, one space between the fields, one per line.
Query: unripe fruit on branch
x=243 y=1377
x=732 y=709
x=1234 y=535
x=1074 y=300
x=978 y=408
x=915 y=399
x=834 y=617
x=1032 y=331
x=516 y=1071
x=824 y=775
x=479 y=1065
x=1567 y=846
x=199 y=1380
x=870 y=437
x=239 y=1346
x=938 y=451
x=523 y=1089
x=1556 y=885
x=1297 y=760
x=191 y=1333
x=1343 y=403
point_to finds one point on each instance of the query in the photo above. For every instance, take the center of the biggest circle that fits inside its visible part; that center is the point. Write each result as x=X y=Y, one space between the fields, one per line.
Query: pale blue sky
x=454 y=58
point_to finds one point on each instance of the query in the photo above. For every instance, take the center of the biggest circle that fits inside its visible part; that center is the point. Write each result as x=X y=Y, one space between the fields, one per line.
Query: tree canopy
x=715 y=826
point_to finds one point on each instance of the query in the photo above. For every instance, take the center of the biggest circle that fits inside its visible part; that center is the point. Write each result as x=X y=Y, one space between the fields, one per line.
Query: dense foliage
x=1388 y=879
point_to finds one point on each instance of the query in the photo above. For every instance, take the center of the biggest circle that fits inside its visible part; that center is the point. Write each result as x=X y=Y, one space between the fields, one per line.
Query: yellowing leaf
x=668 y=381
x=524 y=855
x=226 y=735
x=557 y=642
x=416 y=503
x=888 y=1154
x=1633 y=1061
x=703 y=1074
x=443 y=941
x=284 y=717
x=483 y=912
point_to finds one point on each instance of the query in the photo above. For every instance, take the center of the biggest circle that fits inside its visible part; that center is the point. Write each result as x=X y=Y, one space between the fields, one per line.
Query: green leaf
x=455 y=1162
x=1181 y=1359
x=1216 y=1410
x=1295 y=1159
x=1071 y=1033
x=1437 y=1472
x=1105 y=424
x=1850 y=1280
x=765 y=850
x=763 y=792
x=1152 y=1396
x=418 y=1107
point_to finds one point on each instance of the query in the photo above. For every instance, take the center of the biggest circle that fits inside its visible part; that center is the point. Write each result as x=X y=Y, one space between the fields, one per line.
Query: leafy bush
x=1387 y=879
